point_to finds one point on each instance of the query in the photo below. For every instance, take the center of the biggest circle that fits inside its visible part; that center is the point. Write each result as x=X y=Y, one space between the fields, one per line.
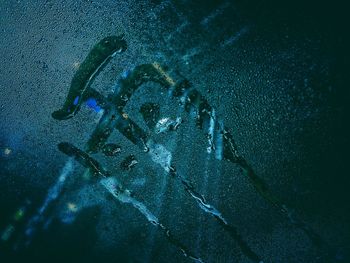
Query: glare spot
x=92 y=103
x=19 y=214
x=72 y=207
x=76 y=64
x=76 y=100
x=7 y=151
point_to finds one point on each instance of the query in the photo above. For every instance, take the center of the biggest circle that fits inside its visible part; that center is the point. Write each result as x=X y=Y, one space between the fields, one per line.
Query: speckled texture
x=275 y=75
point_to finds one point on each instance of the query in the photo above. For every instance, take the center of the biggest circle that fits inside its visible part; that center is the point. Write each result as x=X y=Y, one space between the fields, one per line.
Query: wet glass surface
x=173 y=131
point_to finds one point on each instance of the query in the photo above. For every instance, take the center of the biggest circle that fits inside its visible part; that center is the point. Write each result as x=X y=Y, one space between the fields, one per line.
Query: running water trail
x=162 y=156
x=116 y=118
x=113 y=186
x=122 y=194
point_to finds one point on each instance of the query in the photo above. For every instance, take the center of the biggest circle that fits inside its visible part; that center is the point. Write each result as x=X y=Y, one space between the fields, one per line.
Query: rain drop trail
x=127 y=86
x=113 y=187
x=193 y=102
x=233 y=231
x=160 y=155
x=151 y=114
x=123 y=195
x=79 y=92
x=115 y=118
x=197 y=106
x=227 y=149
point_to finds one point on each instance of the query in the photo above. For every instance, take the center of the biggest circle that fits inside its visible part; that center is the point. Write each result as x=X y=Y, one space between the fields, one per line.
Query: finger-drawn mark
x=220 y=140
x=98 y=57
